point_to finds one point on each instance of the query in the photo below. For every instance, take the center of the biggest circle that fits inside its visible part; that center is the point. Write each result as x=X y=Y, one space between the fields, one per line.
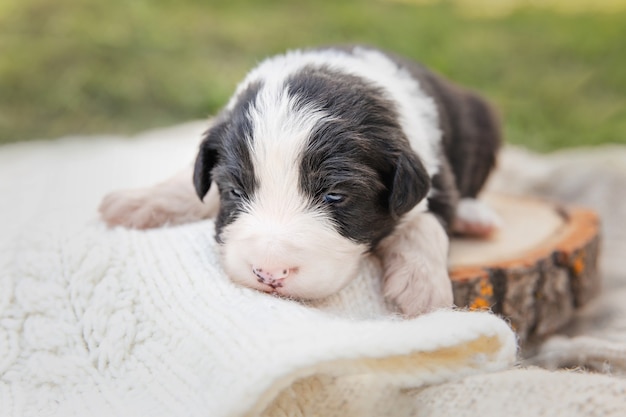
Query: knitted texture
x=110 y=322
x=525 y=392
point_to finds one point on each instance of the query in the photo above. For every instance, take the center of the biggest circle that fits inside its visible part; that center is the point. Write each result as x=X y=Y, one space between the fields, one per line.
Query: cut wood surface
x=539 y=268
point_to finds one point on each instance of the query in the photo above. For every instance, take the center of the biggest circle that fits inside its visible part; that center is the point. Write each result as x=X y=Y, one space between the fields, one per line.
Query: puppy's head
x=313 y=172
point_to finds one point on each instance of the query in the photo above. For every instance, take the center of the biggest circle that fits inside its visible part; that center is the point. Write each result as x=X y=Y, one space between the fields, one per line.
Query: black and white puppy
x=324 y=156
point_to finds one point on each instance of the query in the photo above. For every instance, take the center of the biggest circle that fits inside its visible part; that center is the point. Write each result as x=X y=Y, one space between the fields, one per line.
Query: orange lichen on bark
x=486 y=289
x=479 y=303
x=485 y=293
x=578 y=266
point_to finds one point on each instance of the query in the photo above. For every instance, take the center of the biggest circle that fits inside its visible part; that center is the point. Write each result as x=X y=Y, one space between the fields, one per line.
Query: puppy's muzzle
x=273 y=277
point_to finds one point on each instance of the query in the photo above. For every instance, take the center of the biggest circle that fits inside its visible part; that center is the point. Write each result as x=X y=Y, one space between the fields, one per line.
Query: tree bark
x=536 y=288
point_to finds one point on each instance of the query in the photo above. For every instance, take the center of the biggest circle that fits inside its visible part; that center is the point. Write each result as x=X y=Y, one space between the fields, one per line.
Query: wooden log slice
x=539 y=268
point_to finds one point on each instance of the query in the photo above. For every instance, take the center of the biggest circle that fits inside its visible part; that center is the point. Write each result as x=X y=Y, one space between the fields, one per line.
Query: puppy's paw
x=418 y=285
x=414 y=259
x=475 y=218
x=135 y=209
x=171 y=202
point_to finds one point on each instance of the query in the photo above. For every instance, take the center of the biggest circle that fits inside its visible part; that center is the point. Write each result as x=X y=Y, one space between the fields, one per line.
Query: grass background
x=557 y=73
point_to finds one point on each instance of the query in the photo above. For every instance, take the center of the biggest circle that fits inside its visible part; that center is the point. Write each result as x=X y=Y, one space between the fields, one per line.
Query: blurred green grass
x=80 y=66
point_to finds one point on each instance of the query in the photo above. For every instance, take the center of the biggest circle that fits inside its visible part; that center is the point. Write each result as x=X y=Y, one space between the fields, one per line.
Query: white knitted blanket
x=98 y=322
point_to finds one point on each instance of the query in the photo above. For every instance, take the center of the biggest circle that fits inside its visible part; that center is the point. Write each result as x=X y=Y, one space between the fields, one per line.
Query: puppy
x=324 y=156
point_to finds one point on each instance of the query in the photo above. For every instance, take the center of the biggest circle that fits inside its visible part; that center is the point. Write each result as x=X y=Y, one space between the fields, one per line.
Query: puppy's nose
x=271 y=276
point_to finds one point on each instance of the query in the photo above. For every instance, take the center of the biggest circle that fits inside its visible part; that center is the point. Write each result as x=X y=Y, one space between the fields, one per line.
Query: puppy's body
x=323 y=156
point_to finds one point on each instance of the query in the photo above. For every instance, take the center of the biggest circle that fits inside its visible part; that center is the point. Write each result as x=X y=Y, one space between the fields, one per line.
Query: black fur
x=224 y=157
x=362 y=153
x=471 y=133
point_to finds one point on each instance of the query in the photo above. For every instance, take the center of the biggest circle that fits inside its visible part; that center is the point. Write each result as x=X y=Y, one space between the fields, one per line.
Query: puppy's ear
x=410 y=184
x=208 y=156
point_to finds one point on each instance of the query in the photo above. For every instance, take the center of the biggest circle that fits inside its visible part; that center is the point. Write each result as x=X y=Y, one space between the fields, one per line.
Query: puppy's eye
x=333 y=198
x=235 y=193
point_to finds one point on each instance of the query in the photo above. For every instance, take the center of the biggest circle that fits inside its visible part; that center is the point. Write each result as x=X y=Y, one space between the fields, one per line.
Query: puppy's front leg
x=414 y=259
x=173 y=201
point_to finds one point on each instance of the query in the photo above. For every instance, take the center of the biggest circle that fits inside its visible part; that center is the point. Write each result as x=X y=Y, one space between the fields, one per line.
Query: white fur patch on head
x=280 y=134
x=282 y=242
